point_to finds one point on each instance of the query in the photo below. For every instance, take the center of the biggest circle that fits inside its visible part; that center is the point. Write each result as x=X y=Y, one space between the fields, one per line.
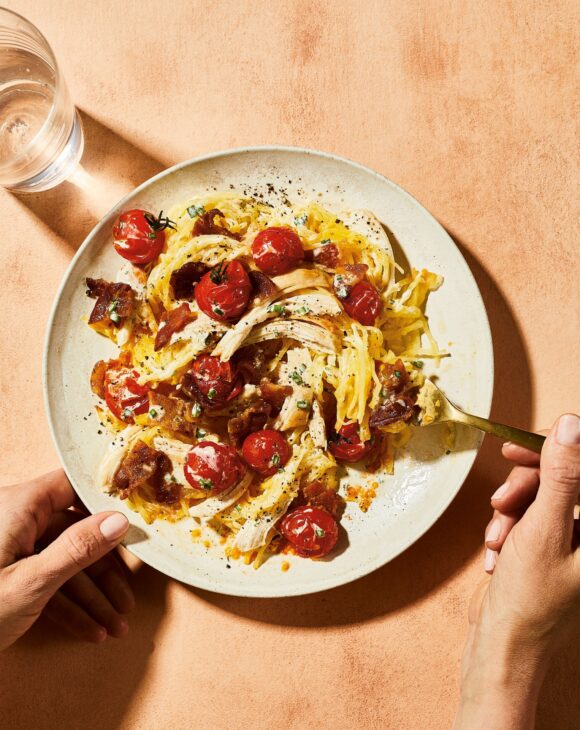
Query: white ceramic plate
x=426 y=479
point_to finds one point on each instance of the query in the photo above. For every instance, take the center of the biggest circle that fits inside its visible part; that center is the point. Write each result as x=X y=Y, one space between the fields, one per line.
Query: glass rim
x=58 y=87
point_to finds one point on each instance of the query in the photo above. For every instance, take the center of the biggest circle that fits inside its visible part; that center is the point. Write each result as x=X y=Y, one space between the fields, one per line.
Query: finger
x=26 y=510
x=518 y=491
x=520 y=455
x=79 y=546
x=110 y=577
x=560 y=478
x=87 y=596
x=498 y=529
x=62 y=611
x=107 y=573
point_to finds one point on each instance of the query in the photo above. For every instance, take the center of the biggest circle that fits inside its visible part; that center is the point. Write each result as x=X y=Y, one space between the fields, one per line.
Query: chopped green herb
x=211 y=393
x=196 y=410
x=319 y=531
x=194 y=210
x=206 y=483
x=325 y=241
x=397 y=373
x=417 y=363
x=303 y=405
x=275 y=460
x=340 y=287
x=278 y=309
x=296 y=377
x=200 y=433
x=301 y=220
x=217 y=310
x=115 y=317
x=152 y=413
x=304 y=310
x=127 y=413
x=384 y=392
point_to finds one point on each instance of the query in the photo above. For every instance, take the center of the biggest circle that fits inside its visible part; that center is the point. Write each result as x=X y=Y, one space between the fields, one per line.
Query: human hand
x=71 y=577
x=520 y=617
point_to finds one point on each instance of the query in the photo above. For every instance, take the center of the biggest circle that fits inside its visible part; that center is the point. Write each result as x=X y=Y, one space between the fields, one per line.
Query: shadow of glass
x=81 y=680
x=456 y=536
x=111 y=167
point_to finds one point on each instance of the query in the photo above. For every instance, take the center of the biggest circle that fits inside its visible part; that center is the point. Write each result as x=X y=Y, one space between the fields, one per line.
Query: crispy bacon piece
x=394 y=377
x=274 y=393
x=262 y=285
x=347 y=277
x=327 y=255
x=317 y=495
x=184 y=279
x=172 y=413
x=250 y=362
x=171 y=322
x=252 y=418
x=144 y=465
x=206 y=225
x=397 y=409
x=112 y=299
x=98 y=378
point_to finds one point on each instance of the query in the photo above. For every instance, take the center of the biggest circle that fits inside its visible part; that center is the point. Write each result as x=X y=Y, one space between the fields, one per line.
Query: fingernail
x=101 y=634
x=490 y=560
x=493 y=531
x=114 y=526
x=500 y=491
x=122 y=626
x=568 y=430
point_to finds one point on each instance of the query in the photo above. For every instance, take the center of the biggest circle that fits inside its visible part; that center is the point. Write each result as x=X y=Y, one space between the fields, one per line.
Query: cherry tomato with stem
x=139 y=236
x=124 y=395
x=266 y=451
x=277 y=250
x=346 y=445
x=363 y=303
x=312 y=531
x=213 y=467
x=224 y=292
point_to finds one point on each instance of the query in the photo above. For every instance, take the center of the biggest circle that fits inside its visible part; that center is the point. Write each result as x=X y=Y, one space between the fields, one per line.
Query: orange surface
x=469 y=107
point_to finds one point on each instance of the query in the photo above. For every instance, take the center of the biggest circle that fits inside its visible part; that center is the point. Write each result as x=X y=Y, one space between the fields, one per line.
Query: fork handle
x=532 y=441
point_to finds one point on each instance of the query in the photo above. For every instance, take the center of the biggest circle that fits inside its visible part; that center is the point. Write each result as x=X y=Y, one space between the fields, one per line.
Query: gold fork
x=435 y=407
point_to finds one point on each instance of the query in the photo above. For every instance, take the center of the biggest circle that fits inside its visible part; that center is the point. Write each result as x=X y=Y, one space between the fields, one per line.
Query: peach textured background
x=467 y=105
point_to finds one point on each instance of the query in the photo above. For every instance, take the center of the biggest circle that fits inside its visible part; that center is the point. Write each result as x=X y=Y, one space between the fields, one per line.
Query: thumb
x=79 y=546
x=560 y=476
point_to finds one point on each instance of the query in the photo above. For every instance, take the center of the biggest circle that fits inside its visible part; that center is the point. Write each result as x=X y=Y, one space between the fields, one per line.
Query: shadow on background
x=106 y=676
x=111 y=167
x=455 y=537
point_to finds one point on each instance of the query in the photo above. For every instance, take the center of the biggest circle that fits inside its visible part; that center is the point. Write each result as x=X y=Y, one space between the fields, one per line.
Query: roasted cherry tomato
x=124 y=395
x=224 y=292
x=266 y=451
x=311 y=530
x=212 y=467
x=277 y=250
x=363 y=303
x=347 y=446
x=217 y=381
x=139 y=236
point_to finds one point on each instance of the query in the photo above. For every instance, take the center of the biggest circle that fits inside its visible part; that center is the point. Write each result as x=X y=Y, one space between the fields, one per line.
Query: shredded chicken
x=319 y=335
x=212 y=506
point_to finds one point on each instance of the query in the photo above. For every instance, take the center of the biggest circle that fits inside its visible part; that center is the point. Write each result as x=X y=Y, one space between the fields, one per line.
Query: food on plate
x=262 y=350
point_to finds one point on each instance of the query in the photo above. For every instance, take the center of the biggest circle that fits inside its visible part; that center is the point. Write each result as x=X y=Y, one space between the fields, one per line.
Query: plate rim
x=364 y=569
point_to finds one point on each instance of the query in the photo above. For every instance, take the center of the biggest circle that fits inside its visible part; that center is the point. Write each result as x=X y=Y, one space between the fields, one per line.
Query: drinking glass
x=41 y=136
